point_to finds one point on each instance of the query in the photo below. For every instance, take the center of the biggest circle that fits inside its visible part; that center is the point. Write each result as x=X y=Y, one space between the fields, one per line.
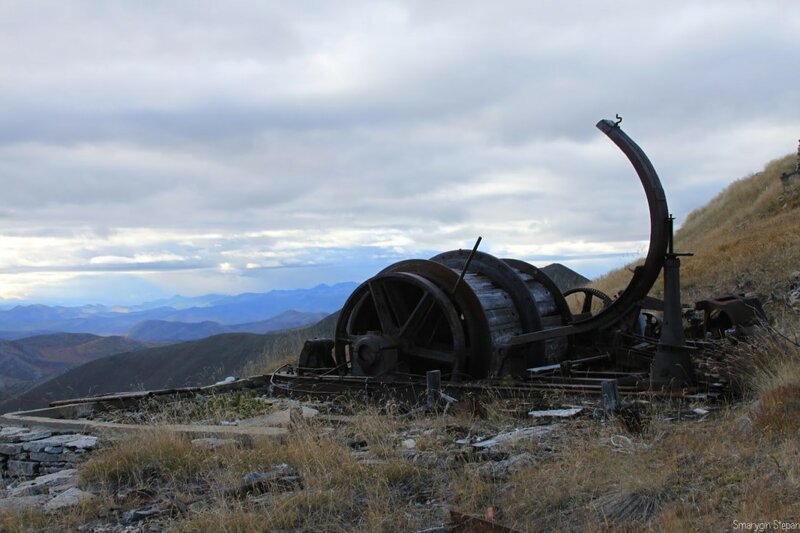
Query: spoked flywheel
x=400 y=321
x=590 y=301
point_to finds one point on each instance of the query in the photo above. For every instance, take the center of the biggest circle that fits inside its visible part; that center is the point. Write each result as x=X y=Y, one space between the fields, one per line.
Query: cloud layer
x=220 y=147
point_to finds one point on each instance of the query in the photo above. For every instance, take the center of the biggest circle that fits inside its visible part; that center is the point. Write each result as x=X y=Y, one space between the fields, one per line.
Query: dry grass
x=769 y=373
x=701 y=474
x=195 y=409
x=32 y=519
x=157 y=456
x=767 y=362
x=778 y=411
x=338 y=491
x=742 y=464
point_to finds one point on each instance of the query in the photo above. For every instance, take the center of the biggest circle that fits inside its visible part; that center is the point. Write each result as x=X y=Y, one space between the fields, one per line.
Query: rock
x=15 y=434
x=282 y=418
x=8 y=448
x=744 y=427
x=409 y=444
x=505 y=439
x=278 y=470
x=69 y=498
x=429 y=459
x=281 y=478
x=13 y=503
x=505 y=467
x=141 y=513
x=212 y=443
x=54 y=459
x=54 y=468
x=45 y=483
x=82 y=442
x=35 y=434
x=42 y=457
x=40 y=444
x=8 y=433
x=556 y=413
x=22 y=468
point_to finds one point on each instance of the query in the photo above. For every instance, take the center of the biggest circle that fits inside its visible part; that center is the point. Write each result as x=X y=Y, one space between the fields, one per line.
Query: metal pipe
x=466 y=265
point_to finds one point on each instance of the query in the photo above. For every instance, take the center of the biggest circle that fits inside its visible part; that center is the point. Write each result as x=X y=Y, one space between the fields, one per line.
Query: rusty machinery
x=473 y=316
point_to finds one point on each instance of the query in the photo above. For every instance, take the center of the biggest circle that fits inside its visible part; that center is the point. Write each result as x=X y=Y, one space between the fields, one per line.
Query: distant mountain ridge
x=168 y=331
x=226 y=310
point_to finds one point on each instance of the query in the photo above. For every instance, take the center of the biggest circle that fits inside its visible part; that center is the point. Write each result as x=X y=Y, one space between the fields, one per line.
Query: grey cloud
x=206 y=118
x=153 y=266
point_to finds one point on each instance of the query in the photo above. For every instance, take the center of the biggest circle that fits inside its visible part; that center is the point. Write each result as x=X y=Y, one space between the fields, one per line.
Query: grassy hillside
x=24 y=362
x=747 y=239
x=179 y=365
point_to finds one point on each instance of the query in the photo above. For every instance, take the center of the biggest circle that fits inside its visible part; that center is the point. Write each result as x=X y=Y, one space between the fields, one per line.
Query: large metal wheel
x=475 y=324
x=400 y=322
x=418 y=315
x=588 y=298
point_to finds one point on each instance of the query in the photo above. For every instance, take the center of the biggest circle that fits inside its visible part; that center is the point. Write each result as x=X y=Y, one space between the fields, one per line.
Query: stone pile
x=49 y=491
x=28 y=453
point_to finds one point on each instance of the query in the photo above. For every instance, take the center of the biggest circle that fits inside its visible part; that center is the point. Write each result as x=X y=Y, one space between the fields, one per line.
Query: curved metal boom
x=645 y=276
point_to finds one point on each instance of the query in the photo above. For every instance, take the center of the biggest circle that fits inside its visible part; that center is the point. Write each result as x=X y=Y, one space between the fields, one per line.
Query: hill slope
x=179 y=365
x=747 y=239
x=167 y=331
x=26 y=361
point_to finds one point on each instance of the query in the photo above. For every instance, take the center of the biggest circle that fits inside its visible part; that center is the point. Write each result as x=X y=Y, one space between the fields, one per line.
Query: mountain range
x=169 y=331
x=39 y=342
x=244 y=312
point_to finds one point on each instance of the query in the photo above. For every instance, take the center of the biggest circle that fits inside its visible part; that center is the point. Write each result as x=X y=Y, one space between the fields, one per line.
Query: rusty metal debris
x=728 y=316
x=481 y=320
x=478 y=322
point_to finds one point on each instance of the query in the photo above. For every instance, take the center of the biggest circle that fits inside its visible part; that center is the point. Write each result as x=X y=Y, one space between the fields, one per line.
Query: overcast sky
x=153 y=148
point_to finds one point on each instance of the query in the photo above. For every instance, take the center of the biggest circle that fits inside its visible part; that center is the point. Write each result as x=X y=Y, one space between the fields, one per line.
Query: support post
x=672 y=366
x=434 y=387
x=609 y=389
